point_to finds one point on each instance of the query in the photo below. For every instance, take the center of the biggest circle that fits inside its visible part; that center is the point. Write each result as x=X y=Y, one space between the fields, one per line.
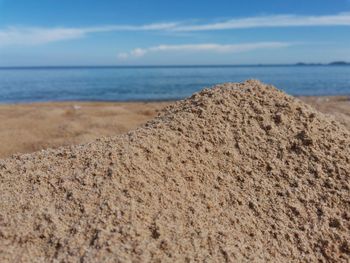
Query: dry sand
x=238 y=173
x=27 y=128
x=338 y=106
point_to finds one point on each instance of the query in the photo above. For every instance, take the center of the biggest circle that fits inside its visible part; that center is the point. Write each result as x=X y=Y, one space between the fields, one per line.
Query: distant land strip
x=335 y=63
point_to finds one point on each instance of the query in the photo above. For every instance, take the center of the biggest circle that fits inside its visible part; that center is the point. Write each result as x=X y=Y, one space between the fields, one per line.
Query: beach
x=31 y=127
x=241 y=172
x=174 y=131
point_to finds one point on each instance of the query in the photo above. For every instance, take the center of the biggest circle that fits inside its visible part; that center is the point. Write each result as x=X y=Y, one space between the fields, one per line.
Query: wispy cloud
x=210 y=47
x=38 y=35
x=342 y=19
x=33 y=36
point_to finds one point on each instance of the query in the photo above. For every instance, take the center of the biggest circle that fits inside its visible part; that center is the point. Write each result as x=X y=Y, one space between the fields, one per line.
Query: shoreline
x=93 y=101
x=340 y=97
x=29 y=127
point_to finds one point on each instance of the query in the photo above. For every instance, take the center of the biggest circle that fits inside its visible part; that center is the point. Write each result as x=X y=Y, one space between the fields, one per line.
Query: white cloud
x=342 y=19
x=218 y=48
x=33 y=36
x=138 y=52
x=123 y=55
x=39 y=35
x=147 y=27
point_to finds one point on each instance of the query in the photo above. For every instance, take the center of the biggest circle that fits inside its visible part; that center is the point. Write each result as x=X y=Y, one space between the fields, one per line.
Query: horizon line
x=334 y=63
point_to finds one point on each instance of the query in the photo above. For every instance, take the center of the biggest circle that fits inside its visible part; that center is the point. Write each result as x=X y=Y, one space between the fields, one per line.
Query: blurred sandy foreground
x=27 y=128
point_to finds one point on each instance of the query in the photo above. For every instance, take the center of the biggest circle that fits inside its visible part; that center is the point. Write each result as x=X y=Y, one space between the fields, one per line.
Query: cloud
x=147 y=27
x=138 y=52
x=342 y=19
x=210 y=47
x=38 y=35
x=123 y=55
x=34 y=36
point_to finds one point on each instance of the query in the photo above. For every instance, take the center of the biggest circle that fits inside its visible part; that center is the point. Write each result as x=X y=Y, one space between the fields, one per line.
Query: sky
x=168 y=32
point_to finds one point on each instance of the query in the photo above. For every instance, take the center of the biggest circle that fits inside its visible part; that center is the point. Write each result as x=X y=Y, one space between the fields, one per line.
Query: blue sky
x=153 y=32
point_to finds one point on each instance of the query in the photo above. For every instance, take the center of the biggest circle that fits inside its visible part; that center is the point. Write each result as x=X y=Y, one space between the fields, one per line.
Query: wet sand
x=27 y=128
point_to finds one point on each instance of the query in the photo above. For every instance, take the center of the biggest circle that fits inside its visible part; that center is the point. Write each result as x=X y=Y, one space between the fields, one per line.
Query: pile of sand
x=240 y=172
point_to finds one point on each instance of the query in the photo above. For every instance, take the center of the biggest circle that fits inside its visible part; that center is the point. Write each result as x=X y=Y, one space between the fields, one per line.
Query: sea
x=161 y=83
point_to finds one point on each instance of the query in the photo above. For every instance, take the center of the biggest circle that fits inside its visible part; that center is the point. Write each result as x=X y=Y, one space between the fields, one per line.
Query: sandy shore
x=238 y=173
x=30 y=127
x=338 y=106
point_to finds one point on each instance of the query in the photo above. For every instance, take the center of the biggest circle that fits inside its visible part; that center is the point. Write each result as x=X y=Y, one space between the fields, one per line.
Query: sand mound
x=240 y=172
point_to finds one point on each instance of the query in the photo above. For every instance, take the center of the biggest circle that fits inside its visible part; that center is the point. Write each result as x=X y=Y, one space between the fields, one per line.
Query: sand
x=26 y=128
x=238 y=173
x=338 y=106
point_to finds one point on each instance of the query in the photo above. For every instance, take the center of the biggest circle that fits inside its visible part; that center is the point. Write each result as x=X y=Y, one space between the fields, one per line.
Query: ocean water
x=160 y=83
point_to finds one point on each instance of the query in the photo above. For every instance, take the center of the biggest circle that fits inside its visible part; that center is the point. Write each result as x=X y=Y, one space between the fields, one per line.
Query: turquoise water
x=160 y=83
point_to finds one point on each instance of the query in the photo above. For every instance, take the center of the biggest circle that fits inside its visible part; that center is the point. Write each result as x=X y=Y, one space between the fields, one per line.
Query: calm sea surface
x=161 y=83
